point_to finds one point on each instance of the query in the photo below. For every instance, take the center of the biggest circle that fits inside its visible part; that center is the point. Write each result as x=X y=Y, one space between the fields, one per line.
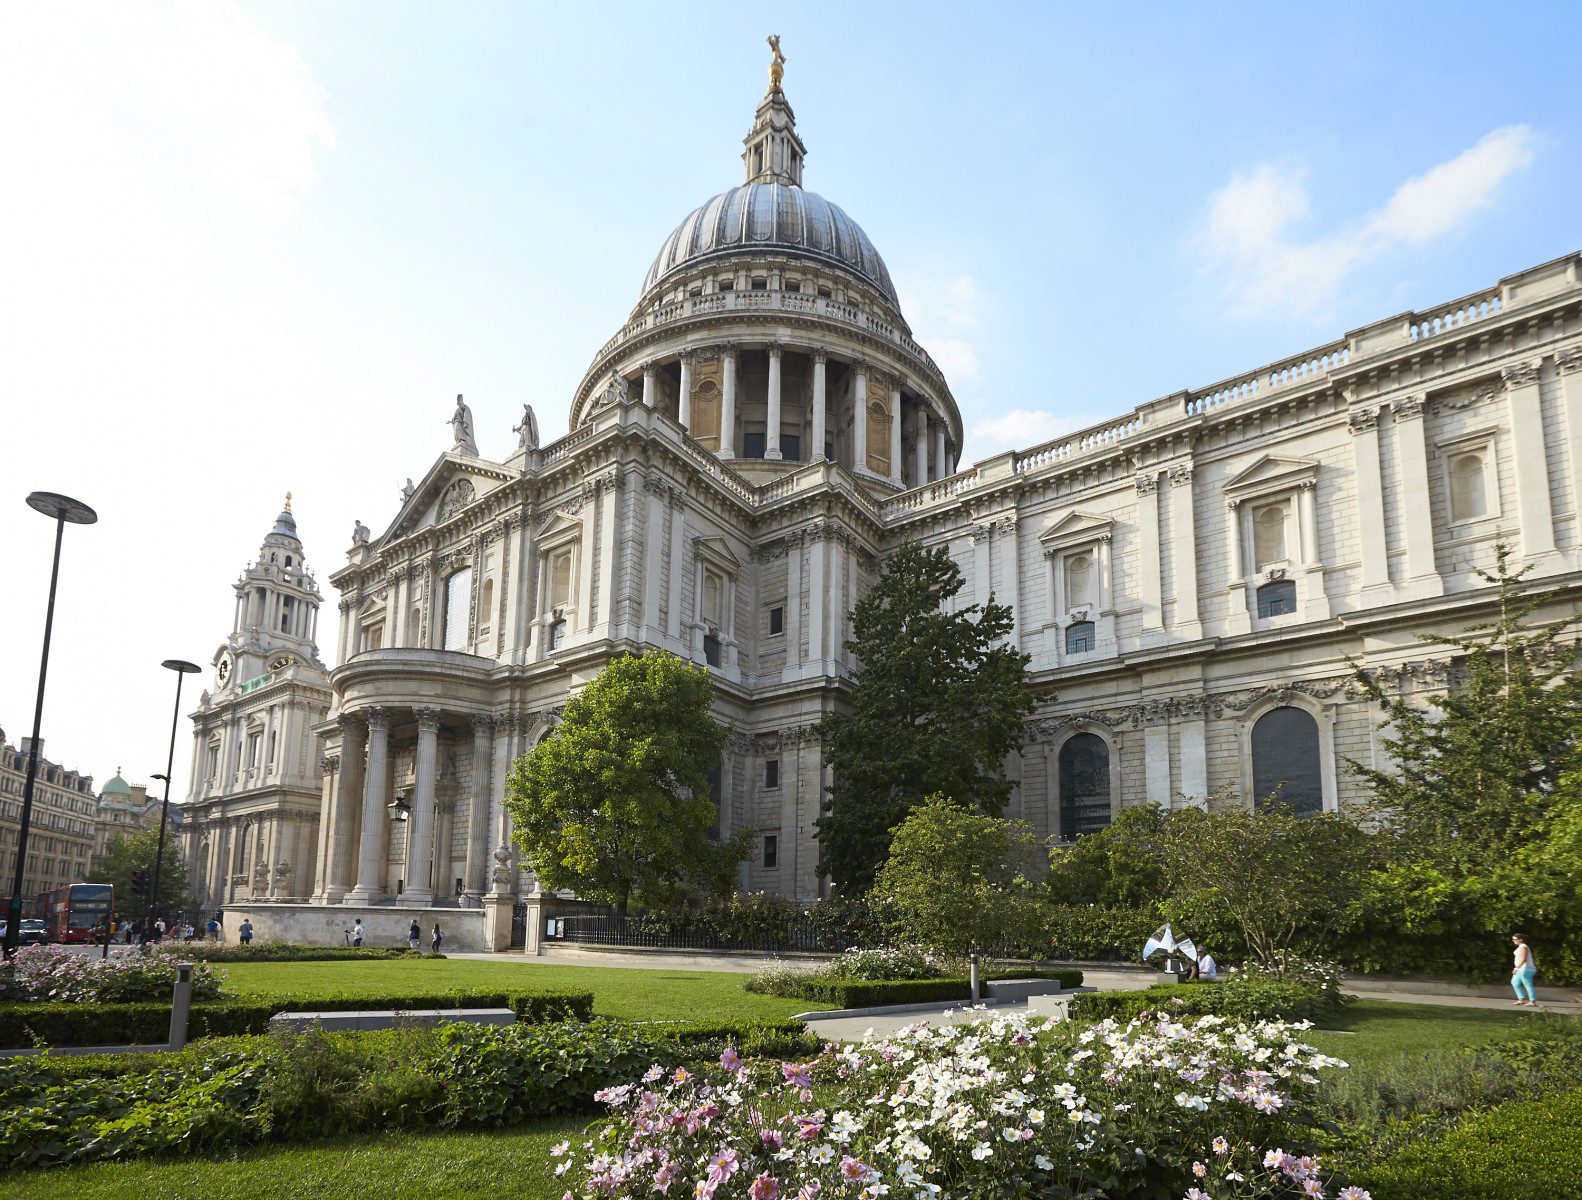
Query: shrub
x=114 y=1024
x=60 y=974
x=1249 y=1000
x=1117 y=1111
x=1526 y=1150
x=875 y=993
x=287 y=952
x=1093 y=933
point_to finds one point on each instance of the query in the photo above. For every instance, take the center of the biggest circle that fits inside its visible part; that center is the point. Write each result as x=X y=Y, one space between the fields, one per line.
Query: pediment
x=1075 y=528
x=453 y=483
x=1271 y=473
x=718 y=549
x=559 y=524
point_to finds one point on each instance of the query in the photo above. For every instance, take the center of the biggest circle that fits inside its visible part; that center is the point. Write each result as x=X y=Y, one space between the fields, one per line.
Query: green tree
x=1475 y=768
x=616 y=802
x=937 y=707
x=956 y=879
x=1124 y=865
x=1287 y=882
x=125 y=854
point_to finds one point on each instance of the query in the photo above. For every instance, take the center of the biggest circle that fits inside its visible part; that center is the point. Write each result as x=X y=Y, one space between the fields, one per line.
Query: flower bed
x=897 y=975
x=56 y=974
x=87 y=1024
x=1000 y=1108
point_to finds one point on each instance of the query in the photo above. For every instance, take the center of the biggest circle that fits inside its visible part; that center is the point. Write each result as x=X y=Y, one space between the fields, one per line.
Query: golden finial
x=777 y=63
x=288 y=501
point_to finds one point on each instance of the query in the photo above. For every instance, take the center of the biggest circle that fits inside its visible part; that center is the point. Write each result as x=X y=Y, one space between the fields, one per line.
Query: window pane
x=777 y=621
x=458 y=600
x=713 y=588
x=1084 y=785
x=1080 y=637
x=791 y=447
x=1285 y=763
x=752 y=445
x=1277 y=599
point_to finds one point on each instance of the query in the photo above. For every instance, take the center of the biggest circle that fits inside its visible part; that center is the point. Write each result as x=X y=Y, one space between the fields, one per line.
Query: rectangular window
x=777 y=620
x=711 y=650
x=285 y=614
x=791 y=447
x=458 y=603
x=254 y=742
x=771 y=851
x=752 y=445
x=771 y=772
x=760 y=285
x=727 y=285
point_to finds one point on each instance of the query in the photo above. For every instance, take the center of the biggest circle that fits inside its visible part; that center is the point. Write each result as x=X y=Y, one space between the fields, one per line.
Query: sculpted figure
x=461 y=426
x=359 y=534
x=528 y=429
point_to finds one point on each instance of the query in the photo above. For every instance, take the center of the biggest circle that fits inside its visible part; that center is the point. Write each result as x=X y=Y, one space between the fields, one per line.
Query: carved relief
x=457 y=496
x=1362 y=420
x=1522 y=374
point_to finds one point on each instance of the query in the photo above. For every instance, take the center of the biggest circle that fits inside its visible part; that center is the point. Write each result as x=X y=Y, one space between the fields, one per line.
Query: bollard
x=973 y=960
x=180 y=1005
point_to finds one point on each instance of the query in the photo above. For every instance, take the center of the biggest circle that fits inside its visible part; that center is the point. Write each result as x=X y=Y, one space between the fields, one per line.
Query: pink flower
x=1199 y=1170
x=795 y=1075
x=854 y=1169
x=730 y=1060
x=771 y=1138
x=812 y=1187
x=1354 y=1193
x=1221 y=1146
x=765 y=1187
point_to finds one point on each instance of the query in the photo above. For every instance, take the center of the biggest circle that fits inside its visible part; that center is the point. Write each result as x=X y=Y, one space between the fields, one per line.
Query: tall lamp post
x=62 y=509
x=180 y=667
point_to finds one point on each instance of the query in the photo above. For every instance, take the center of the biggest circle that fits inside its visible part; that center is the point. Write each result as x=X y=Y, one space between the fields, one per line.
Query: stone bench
x=390 y=1019
x=1013 y=991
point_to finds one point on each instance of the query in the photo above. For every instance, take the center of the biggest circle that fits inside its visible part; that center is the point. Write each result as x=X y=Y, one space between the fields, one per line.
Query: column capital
x=1521 y=374
x=1410 y=407
x=331 y=763
x=378 y=718
x=1147 y=484
x=352 y=724
x=775 y=349
x=482 y=724
x=686 y=355
x=820 y=355
x=1568 y=361
x=428 y=716
x=1362 y=420
x=1181 y=475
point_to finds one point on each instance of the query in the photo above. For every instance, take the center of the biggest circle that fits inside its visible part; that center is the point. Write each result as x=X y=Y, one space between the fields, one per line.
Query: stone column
x=499 y=837
x=859 y=417
x=772 y=422
x=1148 y=573
x=1416 y=517
x=648 y=385
x=1156 y=763
x=1183 y=546
x=1373 y=551
x=1237 y=617
x=1194 y=760
x=982 y=564
x=479 y=840
x=1315 y=600
x=793 y=623
x=370 y=848
x=1533 y=507
x=820 y=401
x=678 y=551
x=1012 y=554
x=1568 y=364
x=609 y=550
x=817 y=597
x=331 y=764
x=895 y=435
x=684 y=407
x=728 y=403
x=941 y=467
x=420 y=825
x=346 y=811
x=920 y=476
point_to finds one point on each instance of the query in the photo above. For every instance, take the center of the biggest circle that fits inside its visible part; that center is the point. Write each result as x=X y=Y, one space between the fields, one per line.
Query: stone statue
x=359 y=534
x=777 y=63
x=461 y=426
x=406 y=492
x=528 y=429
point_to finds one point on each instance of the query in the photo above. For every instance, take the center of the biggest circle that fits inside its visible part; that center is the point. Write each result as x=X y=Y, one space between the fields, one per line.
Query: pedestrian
x=245 y=932
x=357 y=932
x=214 y=930
x=1206 y=967
x=438 y=937
x=414 y=936
x=1523 y=972
x=159 y=930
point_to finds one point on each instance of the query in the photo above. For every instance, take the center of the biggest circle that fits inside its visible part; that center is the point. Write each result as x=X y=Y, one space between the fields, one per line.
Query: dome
x=117 y=786
x=285 y=523
x=771 y=216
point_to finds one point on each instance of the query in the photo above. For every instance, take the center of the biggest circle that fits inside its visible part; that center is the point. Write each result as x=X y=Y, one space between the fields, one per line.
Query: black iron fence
x=682 y=931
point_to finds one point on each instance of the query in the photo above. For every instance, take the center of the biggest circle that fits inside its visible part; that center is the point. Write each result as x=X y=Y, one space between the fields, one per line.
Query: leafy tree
x=1287 y=882
x=937 y=707
x=616 y=802
x=1124 y=865
x=1474 y=770
x=136 y=852
x=956 y=879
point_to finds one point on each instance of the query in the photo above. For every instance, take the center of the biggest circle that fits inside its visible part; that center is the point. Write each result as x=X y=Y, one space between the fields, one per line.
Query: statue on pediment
x=461 y=427
x=528 y=429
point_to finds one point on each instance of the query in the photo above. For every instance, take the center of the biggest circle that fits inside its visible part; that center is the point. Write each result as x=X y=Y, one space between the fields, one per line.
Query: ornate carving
x=1181 y=475
x=457 y=497
x=330 y=763
x=617 y=390
x=1410 y=407
x=482 y=725
x=820 y=355
x=378 y=717
x=1362 y=420
x=428 y=716
x=1147 y=484
x=1569 y=360
x=1522 y=374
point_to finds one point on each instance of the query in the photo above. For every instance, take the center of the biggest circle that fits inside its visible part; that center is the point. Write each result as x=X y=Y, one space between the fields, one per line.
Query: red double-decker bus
x=76 y=912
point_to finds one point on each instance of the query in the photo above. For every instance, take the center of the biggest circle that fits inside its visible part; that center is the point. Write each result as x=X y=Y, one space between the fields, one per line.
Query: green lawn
x=1379 y=1030
x=639 y=995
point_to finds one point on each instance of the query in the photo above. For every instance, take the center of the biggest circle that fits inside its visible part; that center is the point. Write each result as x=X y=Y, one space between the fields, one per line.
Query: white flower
x=1042 y=1163
x=982 y=1151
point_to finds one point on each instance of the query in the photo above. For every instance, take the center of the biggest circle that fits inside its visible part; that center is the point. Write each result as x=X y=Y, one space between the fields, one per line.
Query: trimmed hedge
x=1527 y=1150
x=115 y=1024
x=1251 y=1001
x=214 y=952
x=874 y=993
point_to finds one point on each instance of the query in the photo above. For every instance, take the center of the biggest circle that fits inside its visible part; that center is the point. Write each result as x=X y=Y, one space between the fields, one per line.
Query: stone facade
x=63 y=830
x=1189 y=578
x=250 y=822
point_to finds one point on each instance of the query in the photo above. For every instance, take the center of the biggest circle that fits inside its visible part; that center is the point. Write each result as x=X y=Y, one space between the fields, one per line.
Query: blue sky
x=263 y=246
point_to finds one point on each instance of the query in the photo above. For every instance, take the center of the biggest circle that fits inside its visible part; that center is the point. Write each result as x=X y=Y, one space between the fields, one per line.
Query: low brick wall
x=326 y=924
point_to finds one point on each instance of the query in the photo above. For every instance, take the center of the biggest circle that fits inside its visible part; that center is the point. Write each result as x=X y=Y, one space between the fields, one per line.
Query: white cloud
x=1246 y=240
x=1017 y=429
x=942 y=313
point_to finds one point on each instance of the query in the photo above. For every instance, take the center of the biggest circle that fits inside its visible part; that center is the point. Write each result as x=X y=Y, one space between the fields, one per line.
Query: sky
x=247 y=248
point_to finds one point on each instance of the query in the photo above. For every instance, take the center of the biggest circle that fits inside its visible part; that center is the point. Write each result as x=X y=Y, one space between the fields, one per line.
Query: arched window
x=1468 y=495
x=458 y=603
x=1268 y=535
x=1277 y=599
x=557 y=635
x=1285 y=760
x=1079 y=637
x=1079 y=580
x=414 y=624
x=1084 y=785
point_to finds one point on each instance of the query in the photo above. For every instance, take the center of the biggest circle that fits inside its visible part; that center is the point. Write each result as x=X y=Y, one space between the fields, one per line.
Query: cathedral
x=1188 y=578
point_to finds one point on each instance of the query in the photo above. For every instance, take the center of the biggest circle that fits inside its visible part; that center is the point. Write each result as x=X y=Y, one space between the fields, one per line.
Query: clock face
x=280 y=662
x=223 y=671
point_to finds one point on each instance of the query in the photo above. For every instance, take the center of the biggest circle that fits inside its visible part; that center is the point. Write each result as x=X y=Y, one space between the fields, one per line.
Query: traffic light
x=140 y=882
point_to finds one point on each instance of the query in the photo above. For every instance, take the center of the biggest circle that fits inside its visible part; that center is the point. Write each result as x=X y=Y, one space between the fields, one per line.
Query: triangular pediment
x=1077 y=526
x=718 y=549
x=558 y=524
x=1272 y=471
x=452 y=484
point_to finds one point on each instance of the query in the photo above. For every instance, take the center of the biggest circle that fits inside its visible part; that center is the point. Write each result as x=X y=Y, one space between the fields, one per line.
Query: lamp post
x=180 y=667
x=63 y=509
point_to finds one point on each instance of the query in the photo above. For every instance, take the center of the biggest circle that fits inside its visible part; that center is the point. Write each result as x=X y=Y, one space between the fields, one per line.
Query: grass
x=633 y=993
x=1376 y=1031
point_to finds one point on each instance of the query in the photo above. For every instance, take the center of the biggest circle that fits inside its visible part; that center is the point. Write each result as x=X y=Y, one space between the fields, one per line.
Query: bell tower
x=773 y=152
x=277 y=610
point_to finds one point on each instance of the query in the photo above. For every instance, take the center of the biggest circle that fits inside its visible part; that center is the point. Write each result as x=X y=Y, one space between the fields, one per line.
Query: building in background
x=250 y=820
x=124 y=810
x=63 y=832
x=1189 y=578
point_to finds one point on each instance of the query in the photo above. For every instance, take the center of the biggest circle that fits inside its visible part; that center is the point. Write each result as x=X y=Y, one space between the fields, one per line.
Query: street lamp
x=63 y=509
x=180 y=667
